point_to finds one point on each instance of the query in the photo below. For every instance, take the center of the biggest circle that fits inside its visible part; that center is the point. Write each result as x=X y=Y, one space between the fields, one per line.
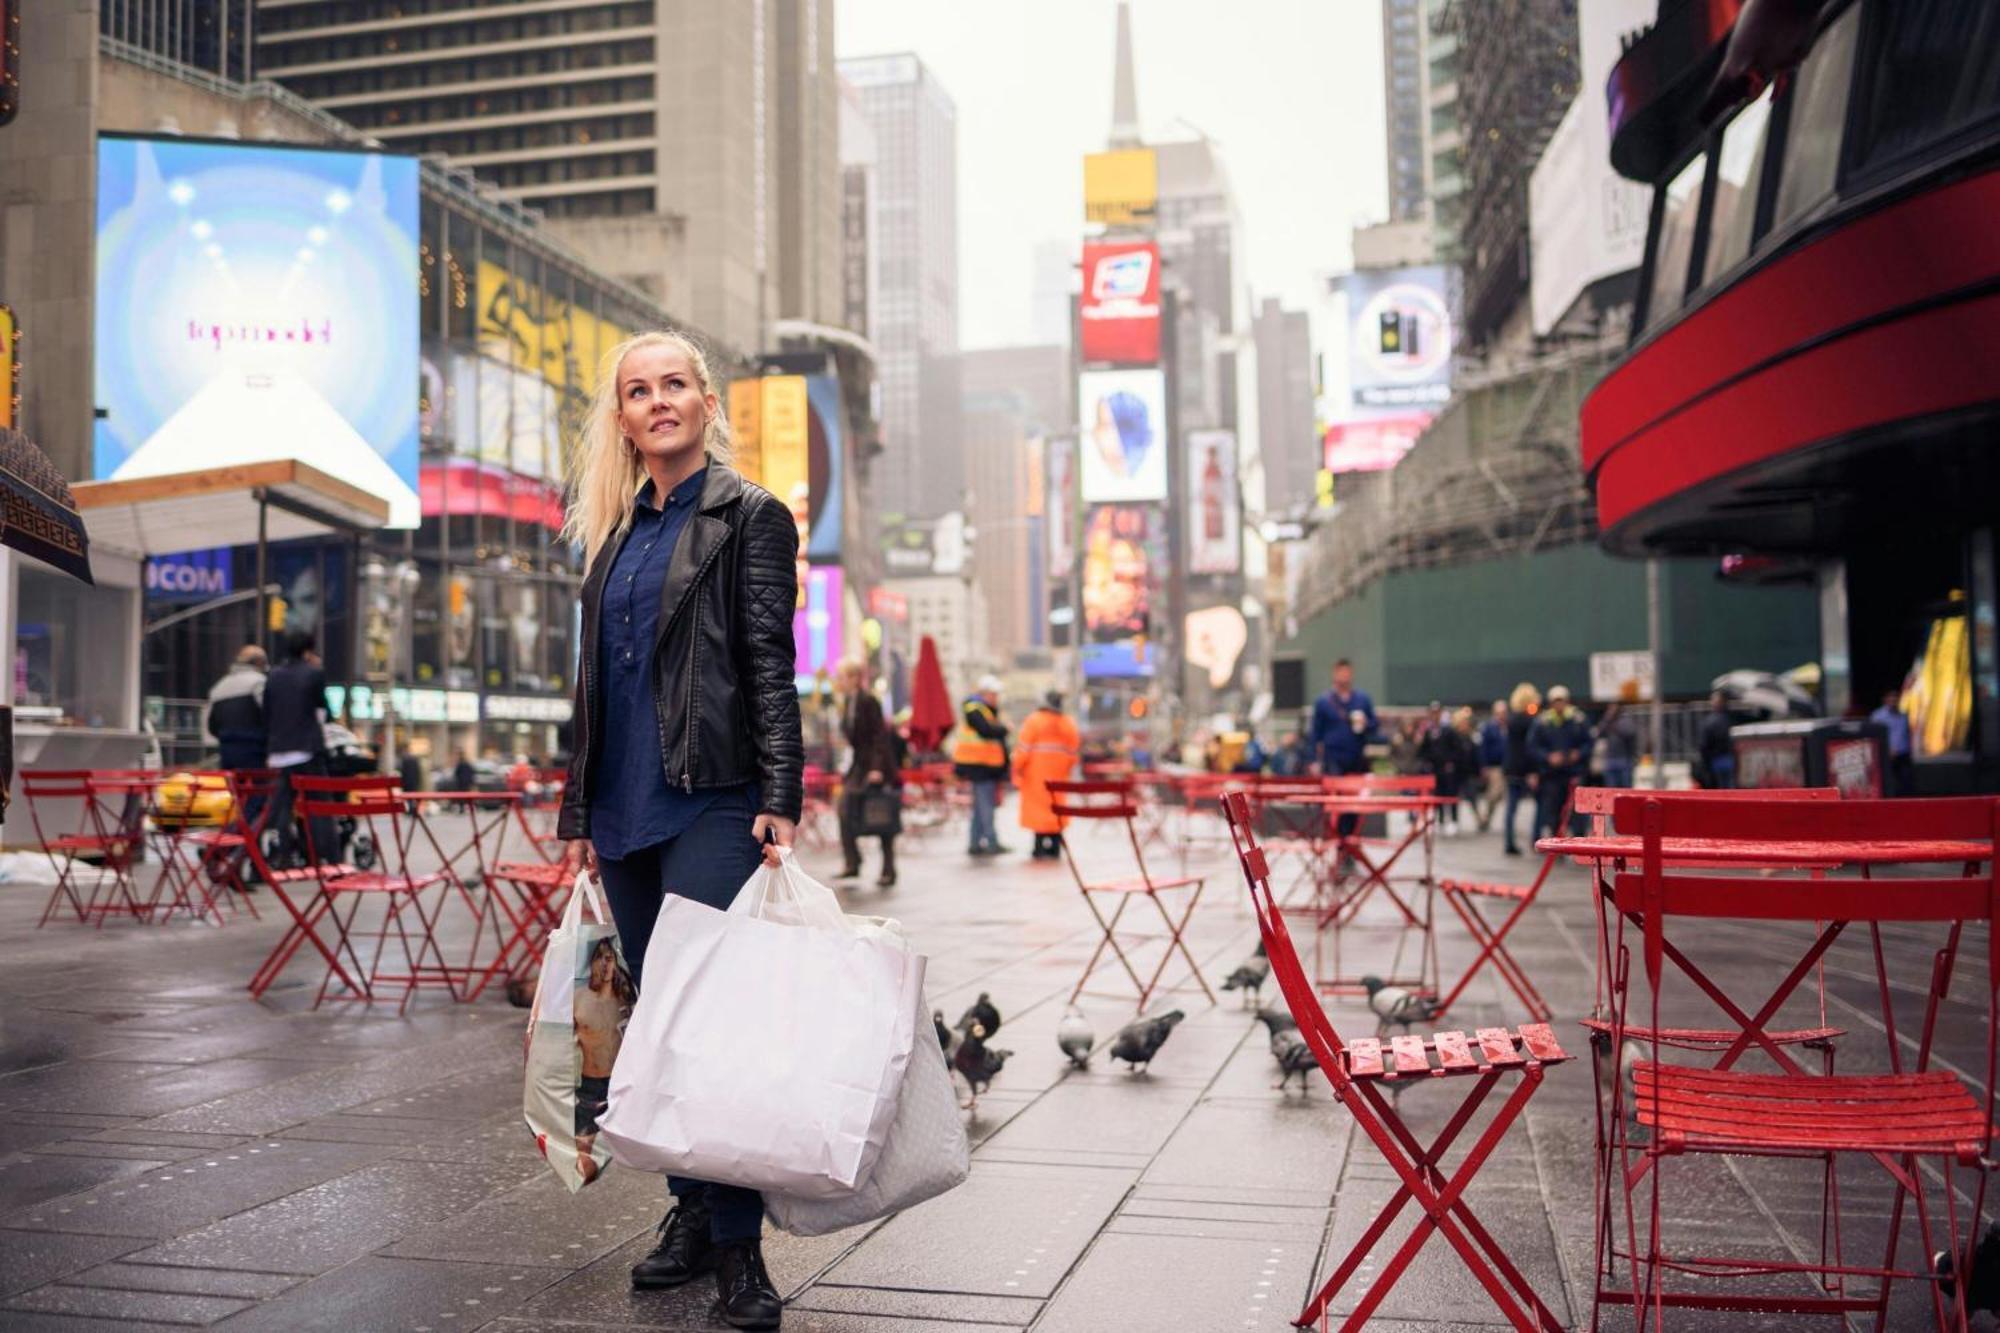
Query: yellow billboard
x=770 y=424
x=1121 y=188
x=522 y=325
x=10 y=370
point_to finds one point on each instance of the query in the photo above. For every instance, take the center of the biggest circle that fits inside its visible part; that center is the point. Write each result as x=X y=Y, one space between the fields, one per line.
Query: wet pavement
x=174 y=1153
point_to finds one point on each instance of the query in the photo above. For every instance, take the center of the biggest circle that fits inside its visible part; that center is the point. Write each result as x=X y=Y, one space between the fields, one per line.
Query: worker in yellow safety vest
x=979 y=755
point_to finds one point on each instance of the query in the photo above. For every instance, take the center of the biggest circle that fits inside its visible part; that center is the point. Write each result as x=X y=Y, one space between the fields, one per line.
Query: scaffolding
x=1518 y=70
x=1496 y=475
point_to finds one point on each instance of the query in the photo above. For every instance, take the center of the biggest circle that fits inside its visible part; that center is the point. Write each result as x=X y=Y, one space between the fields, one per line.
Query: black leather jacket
x=723 y=685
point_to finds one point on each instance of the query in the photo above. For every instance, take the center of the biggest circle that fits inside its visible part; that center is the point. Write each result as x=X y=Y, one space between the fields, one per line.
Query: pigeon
x=947 y=1039
x=1982 y=1291
x=1073 y=1034
x=976 y=1062
x=1249 y=978
x=1138 y=1042
x=1277 y=1020
x=1398 y=1006
x=1289 y=1049
x=983 y=1011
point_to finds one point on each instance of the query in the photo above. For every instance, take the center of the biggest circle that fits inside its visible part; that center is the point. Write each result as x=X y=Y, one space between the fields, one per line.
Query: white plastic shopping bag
x=925 y=1154
x=583 y=1001
x=769 y=1047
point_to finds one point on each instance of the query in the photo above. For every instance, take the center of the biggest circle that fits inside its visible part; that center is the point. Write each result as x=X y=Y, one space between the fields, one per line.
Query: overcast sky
x=1290 y=89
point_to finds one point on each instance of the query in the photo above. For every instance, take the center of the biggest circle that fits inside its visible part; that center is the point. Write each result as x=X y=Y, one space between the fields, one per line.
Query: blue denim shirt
x=635 y=807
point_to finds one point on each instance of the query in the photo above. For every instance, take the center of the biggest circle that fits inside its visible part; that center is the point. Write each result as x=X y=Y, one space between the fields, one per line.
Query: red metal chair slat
x=1540 y=1040
x=1118 y=801
x=1355 y=1071
x=1453 y=1051
x=1409 y=1055
x=1497 y=1045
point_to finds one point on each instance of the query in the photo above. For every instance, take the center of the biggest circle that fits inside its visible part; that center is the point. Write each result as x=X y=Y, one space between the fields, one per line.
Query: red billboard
x=1121 y=303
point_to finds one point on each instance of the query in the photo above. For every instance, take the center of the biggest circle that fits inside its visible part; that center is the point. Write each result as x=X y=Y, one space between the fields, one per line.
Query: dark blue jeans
x=985 y=799
x=708 y=862
x=1517 y=793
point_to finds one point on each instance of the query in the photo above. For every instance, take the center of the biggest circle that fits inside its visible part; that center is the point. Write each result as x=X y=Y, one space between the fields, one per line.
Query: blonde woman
x=1522 y=706
x=688 y=755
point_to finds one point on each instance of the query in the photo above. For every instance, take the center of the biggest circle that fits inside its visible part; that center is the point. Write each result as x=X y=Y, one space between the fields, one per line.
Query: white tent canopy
x=223 y=506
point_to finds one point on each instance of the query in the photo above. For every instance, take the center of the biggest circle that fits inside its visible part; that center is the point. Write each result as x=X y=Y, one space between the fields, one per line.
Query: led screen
x=256 y=303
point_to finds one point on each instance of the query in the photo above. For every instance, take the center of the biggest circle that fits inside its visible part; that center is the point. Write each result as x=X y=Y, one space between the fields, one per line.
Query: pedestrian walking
x=1292 y=757
x=234 y=721
x=1618 y=739
x=1450 y=755
x=295 y=715
x=1343 y=723
x=872 y=772
x=689 y=750
x=1047 y=751
x=1519 y=764
x=979 y=755
x=1492 y=766
x=1715 y=757
x=1901 y=777
x=1559 y=743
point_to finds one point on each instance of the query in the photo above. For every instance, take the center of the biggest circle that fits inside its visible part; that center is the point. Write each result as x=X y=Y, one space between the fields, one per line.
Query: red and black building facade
x=1814 y=373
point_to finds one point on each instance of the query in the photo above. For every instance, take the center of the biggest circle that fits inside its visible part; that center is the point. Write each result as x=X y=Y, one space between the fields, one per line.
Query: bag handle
x=585 y=893
x=789 y=896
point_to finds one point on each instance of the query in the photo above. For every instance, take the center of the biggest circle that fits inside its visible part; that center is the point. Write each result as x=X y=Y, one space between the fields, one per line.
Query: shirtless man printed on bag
x=602 y=1010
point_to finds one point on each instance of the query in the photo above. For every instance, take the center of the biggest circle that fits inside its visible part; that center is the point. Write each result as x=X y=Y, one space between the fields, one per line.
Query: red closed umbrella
x=931 y=714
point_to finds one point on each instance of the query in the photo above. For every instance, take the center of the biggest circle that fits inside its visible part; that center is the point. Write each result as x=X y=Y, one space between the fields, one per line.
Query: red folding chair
x=1893 y=1118
x=297 y=889
x=108 y=831
x=1465 y=896
x=1359 y=1073
x=372 y=803
x=200 y=865
x=1106 y=802
x=540 y=890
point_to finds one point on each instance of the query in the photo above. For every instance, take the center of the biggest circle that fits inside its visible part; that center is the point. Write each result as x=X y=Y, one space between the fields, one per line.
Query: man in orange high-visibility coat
x=1046 y=751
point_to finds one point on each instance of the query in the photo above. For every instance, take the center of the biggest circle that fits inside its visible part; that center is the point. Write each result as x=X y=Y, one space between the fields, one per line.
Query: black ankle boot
x=743 y=1289
x=684 y=1249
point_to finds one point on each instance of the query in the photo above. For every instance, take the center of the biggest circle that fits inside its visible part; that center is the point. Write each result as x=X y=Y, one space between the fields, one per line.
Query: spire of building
x=1124 y=91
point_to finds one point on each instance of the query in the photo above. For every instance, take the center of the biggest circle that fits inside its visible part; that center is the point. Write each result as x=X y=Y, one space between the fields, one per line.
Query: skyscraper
x=1444 y=144
x=711 y=183
x=914 y=323
x=1289 y=445
x=1403 y=104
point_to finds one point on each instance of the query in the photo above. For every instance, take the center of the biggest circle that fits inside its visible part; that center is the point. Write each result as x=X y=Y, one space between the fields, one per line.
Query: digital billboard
x=1120 y=312
x=1372 y=444
x=1118 y=559
x=1399 y=337
x=1061 y=503
x=817 y=626
x=257 y=302
x=1124 y=446
x=10 y=370
x=1214 y=519
x=1121 y=188
x=826 y=460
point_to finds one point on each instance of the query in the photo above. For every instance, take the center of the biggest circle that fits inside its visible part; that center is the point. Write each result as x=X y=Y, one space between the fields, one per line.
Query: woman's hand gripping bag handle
x=583 y=1000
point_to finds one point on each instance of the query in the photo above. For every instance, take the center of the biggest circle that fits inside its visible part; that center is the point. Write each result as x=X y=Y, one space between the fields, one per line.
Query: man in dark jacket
x=1559 y=744
x=1715 y=761
x=872 y=765
x=295 y=715
x=979 y=755
x=1343 y=722
x=235 y=719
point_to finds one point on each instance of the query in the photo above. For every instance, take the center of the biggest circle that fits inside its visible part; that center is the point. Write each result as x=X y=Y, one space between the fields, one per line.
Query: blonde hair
x=607 y=467
x=1525 y=697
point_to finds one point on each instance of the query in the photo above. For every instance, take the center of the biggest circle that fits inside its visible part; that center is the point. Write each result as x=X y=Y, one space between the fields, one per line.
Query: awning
x=223 y=506
x=37 y=511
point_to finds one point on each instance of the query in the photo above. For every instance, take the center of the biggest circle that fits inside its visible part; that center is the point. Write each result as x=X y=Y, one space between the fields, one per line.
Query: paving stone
x=152 y=1153
x=1009 y=1311
x=73 y=1086
x=1284 y=1145
x=342 y=1219
x=194 y=1193
x=130 y=1275
x=37 y=1179
x=1130 y=1281
x=1127 y=1116
x=26 y=1321
x=542 y=1223
x=30 y=1258
x=601 y=1295
x=379 y=1293
x=1007 y=1231
x=96 y=1302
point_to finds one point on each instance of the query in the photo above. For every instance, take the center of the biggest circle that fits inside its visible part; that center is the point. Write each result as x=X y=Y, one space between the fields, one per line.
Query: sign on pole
x=1622 y=677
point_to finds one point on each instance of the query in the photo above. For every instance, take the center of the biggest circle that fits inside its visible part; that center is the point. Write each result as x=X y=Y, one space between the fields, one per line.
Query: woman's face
x=661 y=406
